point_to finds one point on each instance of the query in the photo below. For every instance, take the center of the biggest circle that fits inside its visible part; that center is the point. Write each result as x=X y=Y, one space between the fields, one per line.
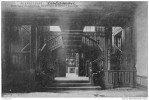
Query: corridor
x=74 y=49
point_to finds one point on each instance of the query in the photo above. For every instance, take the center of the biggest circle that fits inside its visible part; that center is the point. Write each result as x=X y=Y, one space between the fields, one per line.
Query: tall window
x=117 y=37
x=118 y=40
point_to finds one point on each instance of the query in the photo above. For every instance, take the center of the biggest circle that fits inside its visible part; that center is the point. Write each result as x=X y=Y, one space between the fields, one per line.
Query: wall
x=141 y=35
x=141 y=32
x=17 y=76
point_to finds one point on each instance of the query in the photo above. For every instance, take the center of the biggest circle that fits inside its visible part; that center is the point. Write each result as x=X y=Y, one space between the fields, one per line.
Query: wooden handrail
x=89 y=38
x=25 y=47
x=53 y=37
x=98 y=59
x=117 y=48
x=100 y=48
x=94 y=42
x=26 y=30
x=43 y=47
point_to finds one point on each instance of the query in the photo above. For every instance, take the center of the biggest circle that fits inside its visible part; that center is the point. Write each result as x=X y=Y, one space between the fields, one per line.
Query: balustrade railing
x=21 y=59
x=120 y=78
x=87 y=41
x=55 y=42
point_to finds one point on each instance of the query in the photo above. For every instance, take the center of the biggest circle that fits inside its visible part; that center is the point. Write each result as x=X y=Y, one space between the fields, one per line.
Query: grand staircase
x=74 y=40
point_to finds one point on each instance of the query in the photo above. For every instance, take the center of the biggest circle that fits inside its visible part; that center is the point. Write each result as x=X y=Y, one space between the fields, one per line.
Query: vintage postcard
x=74 y=49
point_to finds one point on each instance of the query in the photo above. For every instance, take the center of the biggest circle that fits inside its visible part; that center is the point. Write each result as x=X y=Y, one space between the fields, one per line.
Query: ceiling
x=74 y=17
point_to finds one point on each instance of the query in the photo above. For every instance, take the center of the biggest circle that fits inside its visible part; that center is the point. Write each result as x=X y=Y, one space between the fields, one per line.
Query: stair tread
x=72 y=83
x=76 y=87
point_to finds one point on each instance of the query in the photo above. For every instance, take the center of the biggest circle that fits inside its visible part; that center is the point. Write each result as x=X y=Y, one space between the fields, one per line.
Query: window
x=117 y=37
x=89 y=29
x=55 y=28
x=118 y=40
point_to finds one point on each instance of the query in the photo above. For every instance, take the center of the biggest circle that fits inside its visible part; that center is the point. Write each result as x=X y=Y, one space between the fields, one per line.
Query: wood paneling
x=121 y=78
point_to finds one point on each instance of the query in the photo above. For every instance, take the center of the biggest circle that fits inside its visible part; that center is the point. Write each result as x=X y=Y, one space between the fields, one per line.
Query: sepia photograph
x=74 y=49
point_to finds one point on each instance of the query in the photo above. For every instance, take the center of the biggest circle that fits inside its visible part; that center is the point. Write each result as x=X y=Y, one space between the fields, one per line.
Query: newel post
x=107 y=56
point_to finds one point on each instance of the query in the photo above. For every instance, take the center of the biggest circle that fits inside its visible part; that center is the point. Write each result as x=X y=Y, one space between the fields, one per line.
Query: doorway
x=72 y=64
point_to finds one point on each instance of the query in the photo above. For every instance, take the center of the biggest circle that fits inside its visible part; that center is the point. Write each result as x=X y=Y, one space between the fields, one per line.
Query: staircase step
x=75 y=88
x=71 y=81
x=71 y=84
